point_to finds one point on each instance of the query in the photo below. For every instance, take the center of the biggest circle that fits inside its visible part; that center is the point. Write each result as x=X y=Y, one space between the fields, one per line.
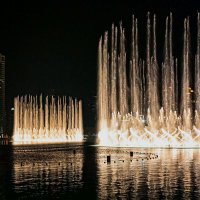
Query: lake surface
x=83 y=171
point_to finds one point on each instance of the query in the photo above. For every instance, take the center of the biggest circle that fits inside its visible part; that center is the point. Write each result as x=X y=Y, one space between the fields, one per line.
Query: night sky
x=52 y=48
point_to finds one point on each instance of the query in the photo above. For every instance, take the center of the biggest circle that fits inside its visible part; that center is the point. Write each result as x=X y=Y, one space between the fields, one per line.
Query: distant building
x=2 y=95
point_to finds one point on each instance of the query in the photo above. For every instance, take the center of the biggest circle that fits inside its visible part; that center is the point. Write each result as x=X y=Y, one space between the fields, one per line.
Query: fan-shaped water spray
x=134 y=109
x=54 y=121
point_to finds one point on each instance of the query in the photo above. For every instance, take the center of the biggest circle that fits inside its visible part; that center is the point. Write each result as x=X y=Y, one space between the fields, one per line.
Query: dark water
x=81 y=171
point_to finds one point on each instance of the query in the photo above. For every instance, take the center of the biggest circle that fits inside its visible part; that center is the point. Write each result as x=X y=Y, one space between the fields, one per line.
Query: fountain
x=142 y=103
x=55 y=121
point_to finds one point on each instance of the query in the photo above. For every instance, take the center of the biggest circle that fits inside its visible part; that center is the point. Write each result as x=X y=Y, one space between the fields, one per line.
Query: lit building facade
x=2 y=94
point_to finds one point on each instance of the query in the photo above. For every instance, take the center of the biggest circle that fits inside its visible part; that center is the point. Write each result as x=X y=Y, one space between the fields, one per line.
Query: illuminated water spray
x=142 y=103
x=54 y=121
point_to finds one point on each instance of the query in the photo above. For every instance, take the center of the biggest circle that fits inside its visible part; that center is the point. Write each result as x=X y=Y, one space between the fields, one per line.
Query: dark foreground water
x=81 y=171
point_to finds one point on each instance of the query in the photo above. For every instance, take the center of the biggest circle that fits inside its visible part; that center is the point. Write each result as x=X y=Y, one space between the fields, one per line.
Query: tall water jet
x=133 y=108
x=152 y=74
x=53 y=121
x=135 y=86
x=186 y=88
x=197 y=76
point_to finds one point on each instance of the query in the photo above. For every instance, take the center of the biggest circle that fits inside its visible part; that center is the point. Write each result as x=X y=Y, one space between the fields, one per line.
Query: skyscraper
x=2 y=94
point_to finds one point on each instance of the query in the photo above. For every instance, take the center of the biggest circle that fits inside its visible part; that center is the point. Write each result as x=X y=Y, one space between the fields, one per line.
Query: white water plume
x=138 y=99
x=53 y=121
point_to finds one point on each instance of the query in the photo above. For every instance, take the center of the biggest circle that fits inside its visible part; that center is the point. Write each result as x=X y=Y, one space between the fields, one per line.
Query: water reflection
x=81 y=171
x=4 y=141
x=174 y=175
x=48 y=172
